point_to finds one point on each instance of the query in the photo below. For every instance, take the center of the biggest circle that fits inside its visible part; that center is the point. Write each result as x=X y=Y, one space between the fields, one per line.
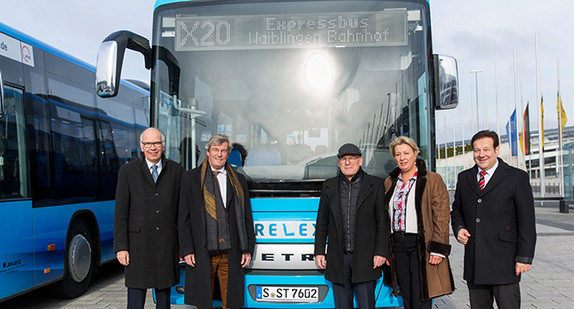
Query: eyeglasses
x=155 y=144
x=348 y=159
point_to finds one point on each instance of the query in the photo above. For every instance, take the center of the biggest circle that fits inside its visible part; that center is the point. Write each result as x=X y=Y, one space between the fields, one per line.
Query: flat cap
x=349 y=149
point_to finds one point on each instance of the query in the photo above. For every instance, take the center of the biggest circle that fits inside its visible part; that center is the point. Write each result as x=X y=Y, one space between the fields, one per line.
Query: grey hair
x=152 y=128
x=401 y=140
x=217 y=140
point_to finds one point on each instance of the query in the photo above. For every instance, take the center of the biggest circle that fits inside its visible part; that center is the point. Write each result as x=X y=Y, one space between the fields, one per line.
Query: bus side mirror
x=446 y=82
x=111 y=58
x=2 y=106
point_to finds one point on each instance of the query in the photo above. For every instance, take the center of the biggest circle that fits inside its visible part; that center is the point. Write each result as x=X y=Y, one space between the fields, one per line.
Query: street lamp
x=476 y=90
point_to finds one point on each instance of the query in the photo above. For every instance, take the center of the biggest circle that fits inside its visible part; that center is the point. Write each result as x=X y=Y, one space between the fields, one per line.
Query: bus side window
x=13 y=160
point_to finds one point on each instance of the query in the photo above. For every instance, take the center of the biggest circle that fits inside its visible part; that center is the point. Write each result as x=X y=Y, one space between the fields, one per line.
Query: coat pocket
x=134 y=228
x=508 y=236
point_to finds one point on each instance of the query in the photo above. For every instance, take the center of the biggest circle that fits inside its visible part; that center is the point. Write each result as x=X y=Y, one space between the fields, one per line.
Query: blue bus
x=60 y=150
x=290 y=81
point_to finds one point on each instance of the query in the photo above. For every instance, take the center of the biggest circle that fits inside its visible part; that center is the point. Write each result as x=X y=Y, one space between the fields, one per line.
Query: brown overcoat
x=433 y=215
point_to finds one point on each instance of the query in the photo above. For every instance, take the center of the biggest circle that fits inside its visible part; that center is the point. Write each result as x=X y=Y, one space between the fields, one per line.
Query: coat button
x=156 y=194
x=157 y=211
x=157 y=228
x=479 y=200
x=477 y=220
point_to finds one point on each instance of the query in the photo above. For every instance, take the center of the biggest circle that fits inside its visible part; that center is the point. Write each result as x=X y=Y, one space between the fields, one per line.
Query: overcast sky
x=479 y=34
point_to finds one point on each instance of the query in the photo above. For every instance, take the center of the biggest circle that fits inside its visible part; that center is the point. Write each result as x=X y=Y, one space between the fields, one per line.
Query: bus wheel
x=79 y=262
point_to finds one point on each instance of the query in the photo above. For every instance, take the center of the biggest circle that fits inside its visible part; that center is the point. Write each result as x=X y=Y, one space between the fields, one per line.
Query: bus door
x=16 y=249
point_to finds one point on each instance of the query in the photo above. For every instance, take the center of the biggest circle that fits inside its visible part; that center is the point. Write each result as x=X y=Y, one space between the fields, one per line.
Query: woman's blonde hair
x=403 y=140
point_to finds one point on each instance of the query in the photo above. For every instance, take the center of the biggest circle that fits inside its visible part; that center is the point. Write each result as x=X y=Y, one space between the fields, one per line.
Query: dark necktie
x=482 y=181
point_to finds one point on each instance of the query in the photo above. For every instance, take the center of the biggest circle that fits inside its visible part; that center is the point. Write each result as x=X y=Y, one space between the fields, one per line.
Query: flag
x=542 y=122
x=560 y=109
x=511 y=133
x=525 y=134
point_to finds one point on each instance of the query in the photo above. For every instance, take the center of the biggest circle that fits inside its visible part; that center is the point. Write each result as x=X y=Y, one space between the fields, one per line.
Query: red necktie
x=481 y=181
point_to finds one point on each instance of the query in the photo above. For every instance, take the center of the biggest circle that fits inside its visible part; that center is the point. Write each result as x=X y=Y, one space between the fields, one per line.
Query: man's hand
x=378 y=261
x=190 y=260
x=320 y=261
x=463 y=236
x=521 y=268
x=245 y=259
x=123 y=257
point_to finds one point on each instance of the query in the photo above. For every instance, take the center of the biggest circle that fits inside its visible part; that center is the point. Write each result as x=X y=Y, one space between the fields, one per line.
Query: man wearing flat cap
x=351 y=218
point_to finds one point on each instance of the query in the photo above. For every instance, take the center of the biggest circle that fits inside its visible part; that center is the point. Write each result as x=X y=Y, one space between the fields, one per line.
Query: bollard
x=565 y=206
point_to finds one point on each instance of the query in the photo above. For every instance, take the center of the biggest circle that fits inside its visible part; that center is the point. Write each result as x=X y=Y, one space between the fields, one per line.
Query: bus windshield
x=292 y=81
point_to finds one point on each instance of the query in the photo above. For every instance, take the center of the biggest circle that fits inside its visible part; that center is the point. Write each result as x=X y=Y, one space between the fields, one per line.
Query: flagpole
x=515 y=106
x=540 y=125
x=476 y=91
x=497 y=107
x=472 y=112
x=445 y=151
x=560 y=133
x=454 y=147
x=483 y=102
x=462 y=131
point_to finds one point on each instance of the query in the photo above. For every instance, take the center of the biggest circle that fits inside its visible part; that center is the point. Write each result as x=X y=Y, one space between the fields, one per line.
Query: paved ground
x=549 y=284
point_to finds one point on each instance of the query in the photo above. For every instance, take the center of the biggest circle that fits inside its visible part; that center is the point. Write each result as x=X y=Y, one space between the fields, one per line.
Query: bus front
x=290 y=82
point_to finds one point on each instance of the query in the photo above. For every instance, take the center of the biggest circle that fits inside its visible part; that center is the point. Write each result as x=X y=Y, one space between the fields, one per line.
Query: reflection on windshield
x=292 y=108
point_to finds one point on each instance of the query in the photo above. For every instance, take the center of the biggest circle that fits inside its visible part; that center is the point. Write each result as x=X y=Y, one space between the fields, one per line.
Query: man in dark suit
x=145 y=233
x=216 y=232
x=351 y=217
x=493 y=216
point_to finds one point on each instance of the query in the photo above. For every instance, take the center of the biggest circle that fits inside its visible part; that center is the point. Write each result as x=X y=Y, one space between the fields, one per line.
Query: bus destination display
x=386 y=28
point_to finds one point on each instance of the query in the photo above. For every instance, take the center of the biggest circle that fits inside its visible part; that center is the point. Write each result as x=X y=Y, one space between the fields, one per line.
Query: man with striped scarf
x=216 y=234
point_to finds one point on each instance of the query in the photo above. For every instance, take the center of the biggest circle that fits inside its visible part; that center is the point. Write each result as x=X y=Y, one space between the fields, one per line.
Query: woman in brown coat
x=418 y=213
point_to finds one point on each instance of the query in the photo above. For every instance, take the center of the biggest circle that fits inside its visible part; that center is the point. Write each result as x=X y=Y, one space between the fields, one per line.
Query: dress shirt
x=149 y=166
x=222 y=180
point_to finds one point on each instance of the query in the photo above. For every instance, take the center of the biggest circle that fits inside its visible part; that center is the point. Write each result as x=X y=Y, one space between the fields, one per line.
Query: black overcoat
x=145 y=223
x=192 y=240
x=371 y=230
x=500 y=220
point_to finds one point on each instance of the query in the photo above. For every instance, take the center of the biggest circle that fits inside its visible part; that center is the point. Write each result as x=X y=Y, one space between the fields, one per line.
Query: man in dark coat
x=216 y=232
x=351 y=217
x=493 y=216
x=145 y=232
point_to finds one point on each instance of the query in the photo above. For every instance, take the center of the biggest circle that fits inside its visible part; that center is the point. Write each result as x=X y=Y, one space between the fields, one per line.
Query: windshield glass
x=290 y=82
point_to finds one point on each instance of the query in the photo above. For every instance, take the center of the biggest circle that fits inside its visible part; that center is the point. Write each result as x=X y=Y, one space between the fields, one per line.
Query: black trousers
x=365 y=291
x=136 y=298
x=507 y=296
x=407 y=264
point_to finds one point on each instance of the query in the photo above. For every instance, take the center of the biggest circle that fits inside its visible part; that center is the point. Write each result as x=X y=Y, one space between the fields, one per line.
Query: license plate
x=291 y=294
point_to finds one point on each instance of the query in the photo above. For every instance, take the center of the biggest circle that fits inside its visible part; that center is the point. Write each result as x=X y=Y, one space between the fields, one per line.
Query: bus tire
x=79 y=262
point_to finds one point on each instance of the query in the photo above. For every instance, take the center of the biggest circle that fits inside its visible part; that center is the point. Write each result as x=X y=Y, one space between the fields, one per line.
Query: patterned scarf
x=217 y=227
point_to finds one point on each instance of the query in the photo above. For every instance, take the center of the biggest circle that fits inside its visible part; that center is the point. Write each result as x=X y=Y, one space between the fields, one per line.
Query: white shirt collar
x=222 y=170
x=149 y=164
x=491 y=170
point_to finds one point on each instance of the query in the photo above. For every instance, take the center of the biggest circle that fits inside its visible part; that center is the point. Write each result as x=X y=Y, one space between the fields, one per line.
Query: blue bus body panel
x=50 y=227
x=25 y=259
x=16 y=248
x=52 y=50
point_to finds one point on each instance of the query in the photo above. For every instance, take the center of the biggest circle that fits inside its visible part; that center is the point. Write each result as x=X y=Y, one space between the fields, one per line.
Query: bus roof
x=39 y=44
x=159 y=3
